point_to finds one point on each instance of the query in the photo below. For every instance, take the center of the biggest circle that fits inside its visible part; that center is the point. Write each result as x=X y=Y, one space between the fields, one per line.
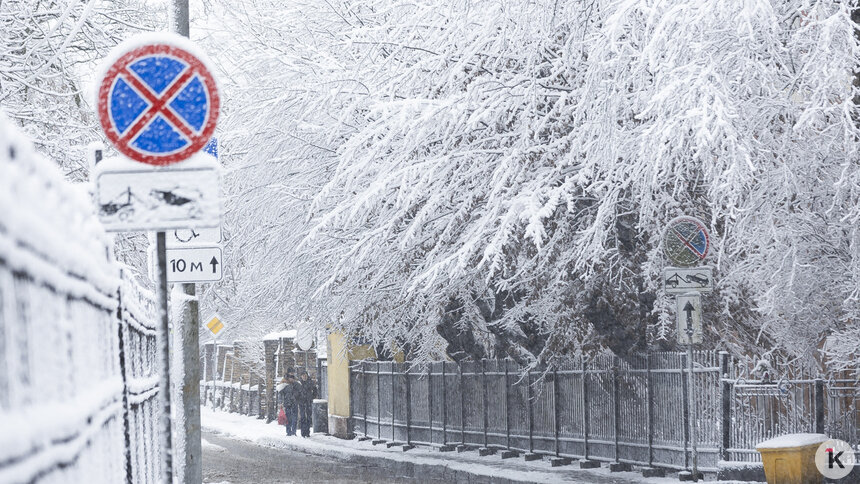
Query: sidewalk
x=465 y=467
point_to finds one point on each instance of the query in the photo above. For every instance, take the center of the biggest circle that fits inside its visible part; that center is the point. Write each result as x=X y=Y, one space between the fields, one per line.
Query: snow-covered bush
x=500 y=173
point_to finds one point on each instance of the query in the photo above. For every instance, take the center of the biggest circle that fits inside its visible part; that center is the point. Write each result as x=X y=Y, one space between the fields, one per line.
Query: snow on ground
x=272 y=435
x=206 y=445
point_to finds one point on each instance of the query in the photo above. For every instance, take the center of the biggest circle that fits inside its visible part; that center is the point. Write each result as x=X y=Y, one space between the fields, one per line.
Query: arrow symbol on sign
x=214 y=263
x=687 y=309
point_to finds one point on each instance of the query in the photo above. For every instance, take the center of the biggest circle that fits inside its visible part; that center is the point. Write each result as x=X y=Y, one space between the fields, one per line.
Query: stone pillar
x=340 y=354
x=269 y=348
x=338 y=387
x=287 y=357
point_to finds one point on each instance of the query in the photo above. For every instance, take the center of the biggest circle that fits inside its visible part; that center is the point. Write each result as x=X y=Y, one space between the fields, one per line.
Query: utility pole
x=187 y=337
x=163 y=341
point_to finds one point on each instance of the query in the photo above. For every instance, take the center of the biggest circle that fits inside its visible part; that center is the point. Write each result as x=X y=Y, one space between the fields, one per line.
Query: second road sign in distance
x=686 y=241
x=157 y=101
x=215 y=325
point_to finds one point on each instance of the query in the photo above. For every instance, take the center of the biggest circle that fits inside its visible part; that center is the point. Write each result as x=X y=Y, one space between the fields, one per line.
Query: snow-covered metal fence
x=138 y=363
x=761 y=410
x=230 y=383
x=76 y=339
x=635 y=411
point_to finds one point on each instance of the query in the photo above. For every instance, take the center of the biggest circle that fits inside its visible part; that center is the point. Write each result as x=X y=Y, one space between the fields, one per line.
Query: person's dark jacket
x=306 y=391
x=287 y=393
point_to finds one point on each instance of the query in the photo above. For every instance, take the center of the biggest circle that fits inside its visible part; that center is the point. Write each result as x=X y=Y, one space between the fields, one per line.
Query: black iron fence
x=635 y=411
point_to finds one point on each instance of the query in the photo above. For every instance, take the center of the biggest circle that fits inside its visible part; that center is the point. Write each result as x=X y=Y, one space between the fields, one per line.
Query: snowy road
x=226 y=460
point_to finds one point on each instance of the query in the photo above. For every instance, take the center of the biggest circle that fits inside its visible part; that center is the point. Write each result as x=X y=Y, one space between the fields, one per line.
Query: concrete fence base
x=339 y=427
x=319 y=416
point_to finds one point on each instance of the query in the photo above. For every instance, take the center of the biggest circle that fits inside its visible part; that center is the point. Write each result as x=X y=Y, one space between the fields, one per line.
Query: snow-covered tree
x=48 y=52
x=494 y=178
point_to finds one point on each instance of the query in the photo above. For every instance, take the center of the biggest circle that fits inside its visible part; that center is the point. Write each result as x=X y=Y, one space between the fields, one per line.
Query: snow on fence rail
x=608 y=410
x=77 y=340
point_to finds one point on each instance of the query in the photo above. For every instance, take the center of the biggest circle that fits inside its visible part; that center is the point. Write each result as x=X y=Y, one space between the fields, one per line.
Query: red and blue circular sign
x=686 y=241
x=158 y=103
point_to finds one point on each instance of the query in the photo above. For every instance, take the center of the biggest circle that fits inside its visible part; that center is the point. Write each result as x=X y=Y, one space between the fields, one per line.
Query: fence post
x=685 y=394
x=232 y=384
x=484 y=398
x=444 y=408
x=819 y=406
x=430 y=403
x=462 y=406
x=378 y=403
x=364 y=385
x=240 y=409
x=408 y=405
x=650 y=470
x=260 y=397
x=726 y=406
x=393 y=407
x=617 y=466
x=507 y=408
x=531 y=410
x=585 y=411
x=616 y=407
x=650 y=403
x=126 y=429
x=555 y=419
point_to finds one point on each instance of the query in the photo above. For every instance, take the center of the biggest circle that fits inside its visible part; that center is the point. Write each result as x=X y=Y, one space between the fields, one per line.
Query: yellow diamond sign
x=215 y=325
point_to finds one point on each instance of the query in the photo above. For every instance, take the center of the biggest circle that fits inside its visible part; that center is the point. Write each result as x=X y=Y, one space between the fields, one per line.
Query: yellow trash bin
x=790 y=459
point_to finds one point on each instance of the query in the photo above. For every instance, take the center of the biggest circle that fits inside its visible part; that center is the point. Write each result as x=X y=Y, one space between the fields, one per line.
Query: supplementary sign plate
x=689 y=310
x=686 y=241
x=131 y=198
x=678 y=280
x=190 y=264
x=194 y=264
x=194 y=237
x=157 y=102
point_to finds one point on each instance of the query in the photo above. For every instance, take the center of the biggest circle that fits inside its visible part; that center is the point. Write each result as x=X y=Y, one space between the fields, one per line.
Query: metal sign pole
x=692 y=392
x=164 y=350
x=121 y=206
x=214 y=369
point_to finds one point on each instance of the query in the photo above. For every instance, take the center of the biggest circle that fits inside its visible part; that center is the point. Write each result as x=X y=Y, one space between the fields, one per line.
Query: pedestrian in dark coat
x=287 y=394
x=307 y=392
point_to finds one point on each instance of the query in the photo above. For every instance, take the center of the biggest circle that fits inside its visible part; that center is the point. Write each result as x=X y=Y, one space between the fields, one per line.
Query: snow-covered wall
x=76 y=336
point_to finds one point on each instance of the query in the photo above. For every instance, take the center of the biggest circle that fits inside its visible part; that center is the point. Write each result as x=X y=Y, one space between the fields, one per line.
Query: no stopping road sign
x=158 y=103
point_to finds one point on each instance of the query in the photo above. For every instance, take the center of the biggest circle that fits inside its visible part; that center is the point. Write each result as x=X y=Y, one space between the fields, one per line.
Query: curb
x=439 y=471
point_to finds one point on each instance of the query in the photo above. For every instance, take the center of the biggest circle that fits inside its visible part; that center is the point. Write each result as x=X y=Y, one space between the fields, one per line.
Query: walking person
x=307 y=392
x=287 y=394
